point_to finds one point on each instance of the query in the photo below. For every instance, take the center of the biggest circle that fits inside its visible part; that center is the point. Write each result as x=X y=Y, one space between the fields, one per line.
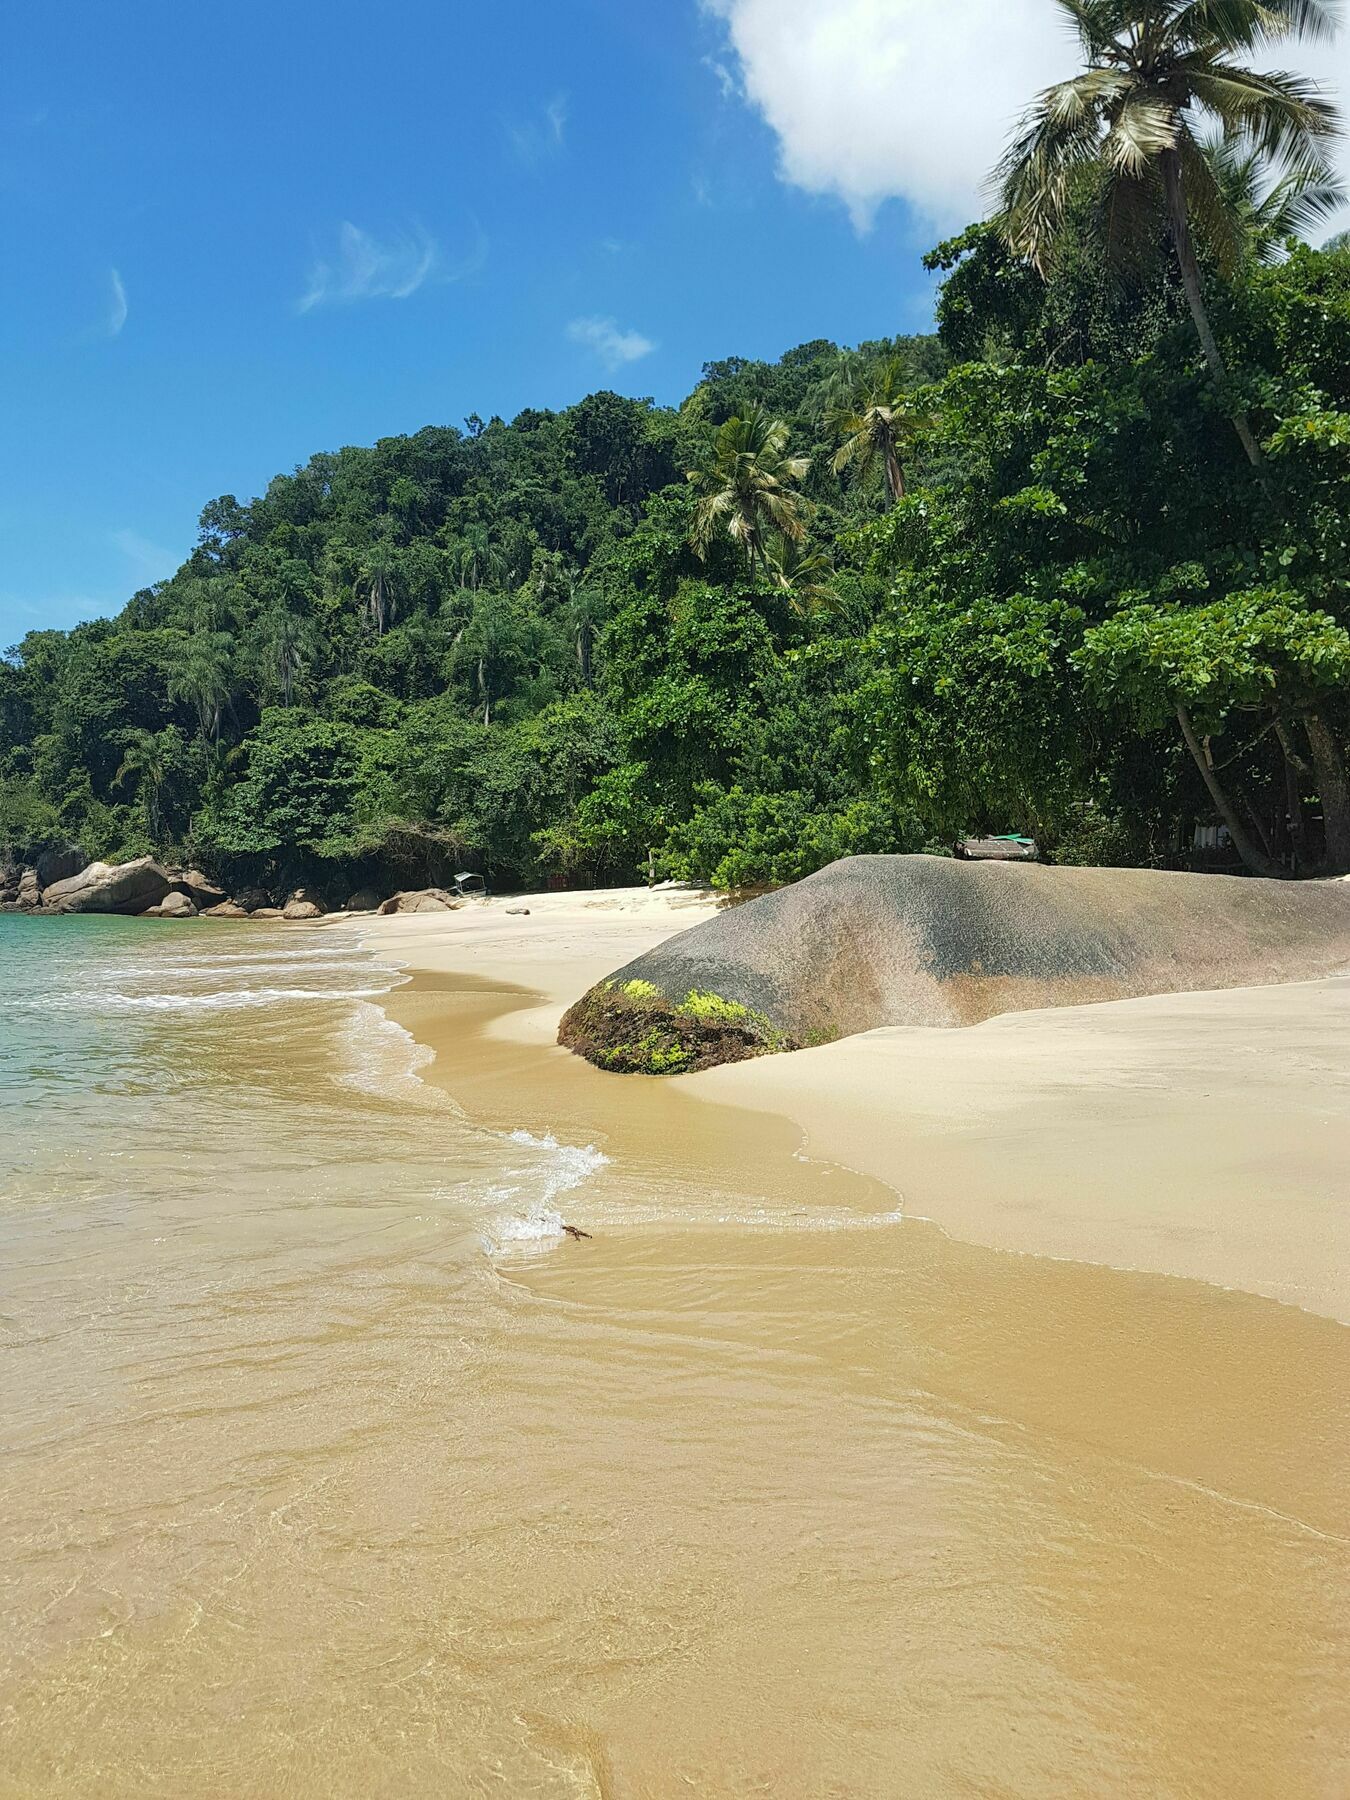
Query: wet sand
x=921 y=1517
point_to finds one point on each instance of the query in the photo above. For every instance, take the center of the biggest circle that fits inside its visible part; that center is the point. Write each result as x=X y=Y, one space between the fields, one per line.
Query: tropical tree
x=805 y=574
x=291 y=645
x=1270 y=212
x=1154 y=69
x=748 y=488
x=374 y=583
x=202 y=675
x=149 y=756
x=874 y=425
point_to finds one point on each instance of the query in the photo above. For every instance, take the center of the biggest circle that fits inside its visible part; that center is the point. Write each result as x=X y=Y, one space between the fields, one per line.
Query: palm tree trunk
x=1251 y=853
x=895 y=477
x=1179 y=226
x=1333 y=787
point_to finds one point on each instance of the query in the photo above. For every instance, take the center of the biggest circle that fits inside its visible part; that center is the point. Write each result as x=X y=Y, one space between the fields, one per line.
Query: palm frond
x=1279 y=114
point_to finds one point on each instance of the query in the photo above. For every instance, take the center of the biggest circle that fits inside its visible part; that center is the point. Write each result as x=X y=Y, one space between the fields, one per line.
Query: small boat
x=1006 y=848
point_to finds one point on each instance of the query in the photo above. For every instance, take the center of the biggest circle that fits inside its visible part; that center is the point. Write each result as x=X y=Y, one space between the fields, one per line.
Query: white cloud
x=613 y=346
x=544 y=135
x=873 y=100
x=364 y=267
x=149 y=562
x=117 y=303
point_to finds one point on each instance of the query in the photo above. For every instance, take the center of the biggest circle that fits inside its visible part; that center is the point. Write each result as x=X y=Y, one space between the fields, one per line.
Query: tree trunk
x=1333 y=787
x=1178 y=224
x=895 y=477
x=1251 y=853
x=1294 y=767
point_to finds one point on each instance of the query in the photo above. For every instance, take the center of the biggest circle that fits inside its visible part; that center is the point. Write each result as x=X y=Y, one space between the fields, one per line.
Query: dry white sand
x=1202 y=1135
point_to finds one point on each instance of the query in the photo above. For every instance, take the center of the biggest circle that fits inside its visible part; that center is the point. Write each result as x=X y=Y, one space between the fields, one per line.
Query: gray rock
x=364 y=900
x=420 y=900
x=228 y=909
x=200 y=890
x=29 y=893
x=173 y=906
x=265 y=912
x=302 y=909
x=130 y=887
x=249 y=900
x=58 y=864
x=922 y=940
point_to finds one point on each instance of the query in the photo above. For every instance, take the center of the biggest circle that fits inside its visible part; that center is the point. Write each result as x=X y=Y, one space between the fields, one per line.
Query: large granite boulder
x=251 y=900
x=420 y=900
x=228 y=909
x=58 y=864
x=29 y=894
x=364 y=900
x=130 y=887
x=923 y=940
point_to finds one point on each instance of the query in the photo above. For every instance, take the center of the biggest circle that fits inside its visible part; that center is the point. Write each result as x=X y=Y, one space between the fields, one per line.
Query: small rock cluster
x=61 y=881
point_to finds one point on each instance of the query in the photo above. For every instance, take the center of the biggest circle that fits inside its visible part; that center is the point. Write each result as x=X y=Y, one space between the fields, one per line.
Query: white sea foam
x=382 y=1058
x=557 y=1169
x=224 y=1000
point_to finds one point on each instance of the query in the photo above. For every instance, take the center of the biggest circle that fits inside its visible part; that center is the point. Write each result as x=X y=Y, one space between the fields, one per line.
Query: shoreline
x=1196 y=1135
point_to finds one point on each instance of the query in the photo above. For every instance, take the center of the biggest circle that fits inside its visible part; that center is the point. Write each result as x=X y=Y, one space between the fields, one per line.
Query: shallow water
x=332 y=1468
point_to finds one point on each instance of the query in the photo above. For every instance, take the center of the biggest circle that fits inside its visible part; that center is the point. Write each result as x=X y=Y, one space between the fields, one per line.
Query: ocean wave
x=224 y=1000
x=382 y=1058
x=564 y=1168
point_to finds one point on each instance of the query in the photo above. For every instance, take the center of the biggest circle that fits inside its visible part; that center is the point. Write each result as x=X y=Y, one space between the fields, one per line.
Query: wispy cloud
x=364 y=267
x=149 y=561
x=613 y=346
x=543 y=135
x=726 y=81
x=117 y=304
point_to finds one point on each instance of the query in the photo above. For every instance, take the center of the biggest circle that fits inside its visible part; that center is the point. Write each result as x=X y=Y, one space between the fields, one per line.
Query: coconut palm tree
x=1155 y=68
x=875 y=424
x=748 y=488
x=805 y=574
x=1270 y=212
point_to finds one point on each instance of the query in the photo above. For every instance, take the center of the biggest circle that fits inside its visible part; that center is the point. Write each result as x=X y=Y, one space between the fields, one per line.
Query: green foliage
x=912 y=591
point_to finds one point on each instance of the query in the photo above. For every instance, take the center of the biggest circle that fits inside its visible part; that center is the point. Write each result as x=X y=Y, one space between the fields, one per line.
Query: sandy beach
x=1200 y=1135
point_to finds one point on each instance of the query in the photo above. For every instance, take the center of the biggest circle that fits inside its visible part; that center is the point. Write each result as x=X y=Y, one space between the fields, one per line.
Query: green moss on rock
x=634 y=1029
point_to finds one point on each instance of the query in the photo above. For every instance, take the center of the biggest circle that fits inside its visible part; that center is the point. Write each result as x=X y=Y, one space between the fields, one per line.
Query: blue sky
x=240 y=235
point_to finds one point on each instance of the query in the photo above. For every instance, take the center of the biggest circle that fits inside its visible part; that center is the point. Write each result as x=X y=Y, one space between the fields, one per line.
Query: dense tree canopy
x=1017 y=576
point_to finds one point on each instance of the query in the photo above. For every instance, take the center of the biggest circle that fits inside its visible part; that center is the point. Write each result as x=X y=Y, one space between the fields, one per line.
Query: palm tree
x=748 y=488
x=291 y=646
x=203 y=677
x=875 y=424
x=146 y=755
x=1270 y=213
x=585 y=611
x=374 y=583
x=1153 y=68
x=806 y=575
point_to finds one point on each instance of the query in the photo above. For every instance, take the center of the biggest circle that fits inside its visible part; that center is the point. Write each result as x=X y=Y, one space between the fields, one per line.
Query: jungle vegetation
x=1074 y=566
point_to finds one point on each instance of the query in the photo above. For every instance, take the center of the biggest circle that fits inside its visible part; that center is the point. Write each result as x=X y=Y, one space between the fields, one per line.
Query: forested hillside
x=1023 y=575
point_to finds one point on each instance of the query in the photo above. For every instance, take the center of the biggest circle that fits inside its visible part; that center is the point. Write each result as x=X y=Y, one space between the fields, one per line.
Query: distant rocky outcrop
x=920 y=940
x=130 y=887
x=420 y=900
